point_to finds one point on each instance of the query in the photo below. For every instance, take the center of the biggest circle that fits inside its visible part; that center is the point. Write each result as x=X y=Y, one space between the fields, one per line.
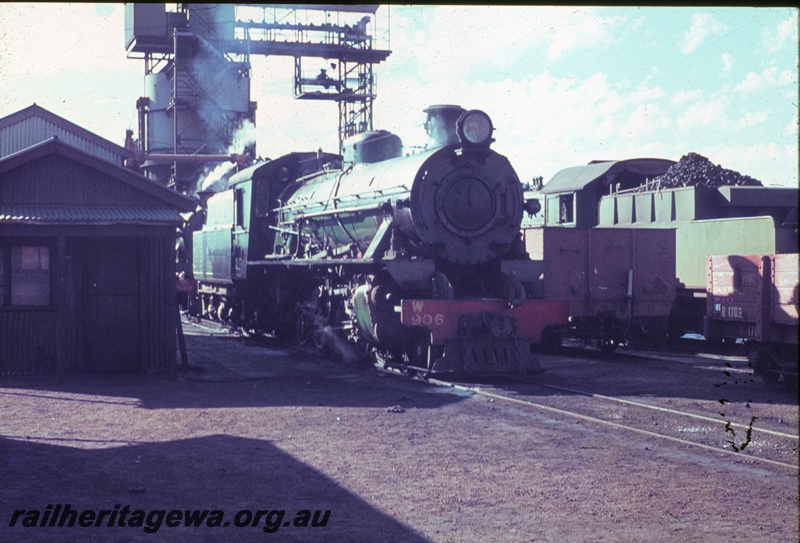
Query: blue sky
x=564 y=85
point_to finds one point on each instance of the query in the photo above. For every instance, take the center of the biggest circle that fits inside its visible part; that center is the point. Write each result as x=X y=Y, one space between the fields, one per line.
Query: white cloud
x=70 y=59
x=727 y=62
x=586 y=33
x=643 y=94
x=762 y=161
x=683 y=97
x=788 y=77
x=646 y=119
x=704 y=26
x=791 y=127
x=769 y=77
x=705 y=113
x=785 y=35
x=547 y=123
x=635 y=25
x=460 y=40
x=752 y=82
x=54 y=37
x=751 y=119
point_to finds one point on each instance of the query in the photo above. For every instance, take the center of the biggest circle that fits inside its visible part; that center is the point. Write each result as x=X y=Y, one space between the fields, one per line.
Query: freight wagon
x=712 y=211
x=619 y=283
x=755 y=298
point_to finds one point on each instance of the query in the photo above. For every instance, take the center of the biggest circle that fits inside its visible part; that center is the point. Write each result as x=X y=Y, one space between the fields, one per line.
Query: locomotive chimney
x=441 y=125
x=203 y=196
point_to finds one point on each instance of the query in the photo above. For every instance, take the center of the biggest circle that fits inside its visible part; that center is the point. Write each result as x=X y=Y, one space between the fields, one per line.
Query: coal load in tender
x=696 y=170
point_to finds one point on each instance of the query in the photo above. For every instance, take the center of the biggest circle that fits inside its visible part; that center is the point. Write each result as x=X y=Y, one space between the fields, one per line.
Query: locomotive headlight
x=475 y=129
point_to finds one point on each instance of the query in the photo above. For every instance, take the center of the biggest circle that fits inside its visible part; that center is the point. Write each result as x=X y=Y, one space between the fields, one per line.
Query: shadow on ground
x=226 y=371
x=217 y=472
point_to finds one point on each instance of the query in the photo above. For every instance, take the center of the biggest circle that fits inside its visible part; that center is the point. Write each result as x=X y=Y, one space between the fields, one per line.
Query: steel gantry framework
x=197 y=73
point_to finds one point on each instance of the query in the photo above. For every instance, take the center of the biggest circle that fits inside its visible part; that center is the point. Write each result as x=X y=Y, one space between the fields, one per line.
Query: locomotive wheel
x=770 y=363
x=607 y=345
x=303 y=328
x=308 y=330
x=223 y=312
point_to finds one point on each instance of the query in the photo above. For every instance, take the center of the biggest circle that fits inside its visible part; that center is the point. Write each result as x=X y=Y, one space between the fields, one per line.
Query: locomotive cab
x=240 y=228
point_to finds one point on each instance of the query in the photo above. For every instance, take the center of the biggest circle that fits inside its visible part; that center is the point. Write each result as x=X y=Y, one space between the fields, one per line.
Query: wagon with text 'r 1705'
x=755 y=298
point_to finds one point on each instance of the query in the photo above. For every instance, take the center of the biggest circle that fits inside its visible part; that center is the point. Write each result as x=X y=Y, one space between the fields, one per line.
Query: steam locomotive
x=417 y=259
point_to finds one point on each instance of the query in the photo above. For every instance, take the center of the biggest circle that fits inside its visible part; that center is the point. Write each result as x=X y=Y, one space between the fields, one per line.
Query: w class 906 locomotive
x=418 y=259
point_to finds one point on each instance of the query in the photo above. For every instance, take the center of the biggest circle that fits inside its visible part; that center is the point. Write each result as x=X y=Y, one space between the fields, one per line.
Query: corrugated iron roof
x=43 y=214
x=135 y=180
x=33 y=124
x=578 y=177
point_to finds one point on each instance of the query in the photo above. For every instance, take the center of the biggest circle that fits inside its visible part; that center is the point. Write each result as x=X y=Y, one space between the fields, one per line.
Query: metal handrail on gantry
x=352 y=83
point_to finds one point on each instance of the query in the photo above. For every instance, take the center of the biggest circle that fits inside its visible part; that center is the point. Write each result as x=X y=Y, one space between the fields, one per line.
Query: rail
x=616 y=425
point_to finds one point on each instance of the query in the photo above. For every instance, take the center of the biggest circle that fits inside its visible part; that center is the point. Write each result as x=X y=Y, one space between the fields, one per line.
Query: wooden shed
x=87 y=264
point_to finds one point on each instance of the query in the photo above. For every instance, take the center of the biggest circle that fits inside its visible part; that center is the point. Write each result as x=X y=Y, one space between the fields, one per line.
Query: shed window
x=565 y=208
x=25 y=275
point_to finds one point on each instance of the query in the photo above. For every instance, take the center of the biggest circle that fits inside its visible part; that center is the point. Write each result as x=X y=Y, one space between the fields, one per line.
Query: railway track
x=716 y=427
x=777 y=447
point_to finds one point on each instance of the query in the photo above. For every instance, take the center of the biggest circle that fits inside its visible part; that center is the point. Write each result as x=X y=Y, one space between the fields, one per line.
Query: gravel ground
x=258 y=434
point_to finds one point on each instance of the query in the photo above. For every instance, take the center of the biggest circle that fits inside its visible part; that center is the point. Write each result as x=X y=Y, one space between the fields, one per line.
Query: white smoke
x=244 y=137
x=215 y=179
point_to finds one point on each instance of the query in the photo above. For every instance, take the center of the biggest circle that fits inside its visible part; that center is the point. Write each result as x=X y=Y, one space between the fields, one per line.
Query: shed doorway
x=109 y=301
